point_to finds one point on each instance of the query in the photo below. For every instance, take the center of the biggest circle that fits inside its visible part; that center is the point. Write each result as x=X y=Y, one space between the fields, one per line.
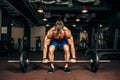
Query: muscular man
x=59 y=34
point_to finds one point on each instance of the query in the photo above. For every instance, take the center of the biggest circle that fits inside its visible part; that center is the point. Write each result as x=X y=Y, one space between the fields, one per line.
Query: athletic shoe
x=67 y=70
x=51 y=70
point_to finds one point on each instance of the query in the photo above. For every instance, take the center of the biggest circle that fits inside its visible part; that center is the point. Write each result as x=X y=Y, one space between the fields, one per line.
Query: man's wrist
x=73 y=57
x=44 y=58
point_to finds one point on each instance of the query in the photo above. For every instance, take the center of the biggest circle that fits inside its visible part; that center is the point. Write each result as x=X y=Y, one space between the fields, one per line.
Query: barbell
x=24 y=61
x=58 y=61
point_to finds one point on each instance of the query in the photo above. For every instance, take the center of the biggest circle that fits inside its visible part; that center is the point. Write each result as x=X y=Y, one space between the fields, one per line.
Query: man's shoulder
x=51 y=29
x=65 y=28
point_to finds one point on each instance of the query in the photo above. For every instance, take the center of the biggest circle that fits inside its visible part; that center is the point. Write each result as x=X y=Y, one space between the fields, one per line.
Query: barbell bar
x=24 y=61
x=57 y=61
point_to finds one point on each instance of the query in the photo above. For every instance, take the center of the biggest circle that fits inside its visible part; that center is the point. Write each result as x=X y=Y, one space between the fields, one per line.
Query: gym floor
x=80 y=71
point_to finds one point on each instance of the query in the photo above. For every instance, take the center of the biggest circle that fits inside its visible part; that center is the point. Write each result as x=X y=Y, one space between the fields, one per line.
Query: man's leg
x=67 y=57
x=51 y=58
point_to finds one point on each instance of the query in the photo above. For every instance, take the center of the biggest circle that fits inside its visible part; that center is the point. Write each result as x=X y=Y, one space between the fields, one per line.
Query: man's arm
x=46 y=43
x=71 y=43
x=45 y=48
x=72 y=48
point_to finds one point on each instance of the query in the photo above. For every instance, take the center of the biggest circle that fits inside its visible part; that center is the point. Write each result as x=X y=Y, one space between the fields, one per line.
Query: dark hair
x=59 y=25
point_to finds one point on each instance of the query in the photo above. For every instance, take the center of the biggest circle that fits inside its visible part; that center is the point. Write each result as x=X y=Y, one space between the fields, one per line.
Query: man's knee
x=51 y=49
x=66 y=48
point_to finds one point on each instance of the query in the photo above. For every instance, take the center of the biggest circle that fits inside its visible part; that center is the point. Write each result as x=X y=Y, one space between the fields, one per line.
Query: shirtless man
x=59 y=34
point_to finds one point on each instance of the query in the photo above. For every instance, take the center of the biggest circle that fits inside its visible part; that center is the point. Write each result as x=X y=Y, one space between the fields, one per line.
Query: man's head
x=59 y=26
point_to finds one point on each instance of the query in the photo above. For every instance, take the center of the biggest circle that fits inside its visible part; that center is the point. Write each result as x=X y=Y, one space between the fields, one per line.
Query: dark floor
x=38 y=71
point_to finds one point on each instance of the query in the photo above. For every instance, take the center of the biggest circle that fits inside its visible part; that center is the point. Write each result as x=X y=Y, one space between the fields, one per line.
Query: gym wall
x=37 y=31
x=17 y=32
x=83 y=35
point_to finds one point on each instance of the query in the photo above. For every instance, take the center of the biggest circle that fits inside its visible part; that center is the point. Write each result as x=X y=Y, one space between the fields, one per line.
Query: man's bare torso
x=63 y=34
x=58 y=36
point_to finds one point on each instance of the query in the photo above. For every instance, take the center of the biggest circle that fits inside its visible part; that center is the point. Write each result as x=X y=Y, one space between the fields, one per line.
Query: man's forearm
x=45 y=52
x=73 y=52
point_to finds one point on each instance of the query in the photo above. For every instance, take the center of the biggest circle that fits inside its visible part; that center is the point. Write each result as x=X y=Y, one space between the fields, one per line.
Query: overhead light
x=101 y=25
x=44 y=19
x=84 y=9
x=12 y=24
x=47 y=25
x=84 y=31
x=40 y=9
x=74 y=25
x=77 y=19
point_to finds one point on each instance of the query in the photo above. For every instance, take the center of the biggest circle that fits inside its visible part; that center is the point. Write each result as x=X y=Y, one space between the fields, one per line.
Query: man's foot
x=67 y=70
x=51 y=70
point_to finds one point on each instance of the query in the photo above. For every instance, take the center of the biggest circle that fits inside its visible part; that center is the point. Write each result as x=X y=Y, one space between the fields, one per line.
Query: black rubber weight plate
x=95 y=63
x=23 y=62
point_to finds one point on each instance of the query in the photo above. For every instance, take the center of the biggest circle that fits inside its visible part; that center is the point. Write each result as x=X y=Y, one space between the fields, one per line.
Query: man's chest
x=58 y=35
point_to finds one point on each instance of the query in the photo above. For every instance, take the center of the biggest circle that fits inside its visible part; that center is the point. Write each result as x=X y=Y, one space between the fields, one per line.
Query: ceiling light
x=12 y=24
x=74 y=25
x=77 y=19
x=40 y=9
x=84 y=9
x=47 y=25
x=100 y=25
x=44 y=19
x=84 y=31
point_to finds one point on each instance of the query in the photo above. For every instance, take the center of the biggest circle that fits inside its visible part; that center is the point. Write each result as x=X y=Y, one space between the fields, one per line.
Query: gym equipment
x=98 y=40
x=19 y=44
x=25 y=44
x=24 y=61
x=95 y=63
x=116 y=39
x=102 y=52
x=38 y=44
x=96 y=55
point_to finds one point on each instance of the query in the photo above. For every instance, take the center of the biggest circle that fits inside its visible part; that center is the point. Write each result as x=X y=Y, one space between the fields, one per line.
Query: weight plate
x=23 y=61
x=95 y=62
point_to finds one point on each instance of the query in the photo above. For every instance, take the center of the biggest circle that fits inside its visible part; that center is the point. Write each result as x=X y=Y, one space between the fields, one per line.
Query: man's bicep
x=70 y=40
x=46 y=41
x=68 y=34
x=49 y=34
